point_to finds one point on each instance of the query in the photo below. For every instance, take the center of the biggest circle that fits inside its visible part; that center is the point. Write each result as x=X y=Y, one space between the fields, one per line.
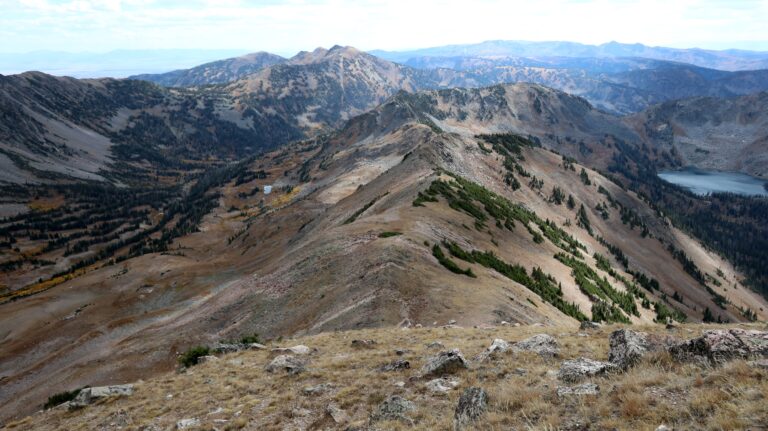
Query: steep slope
x=711 y=133
x=56 y=129
x=405 y=216
x=215 y=72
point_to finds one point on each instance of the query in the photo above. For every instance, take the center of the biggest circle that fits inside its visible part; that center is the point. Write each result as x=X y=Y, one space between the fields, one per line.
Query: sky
x=288 y=26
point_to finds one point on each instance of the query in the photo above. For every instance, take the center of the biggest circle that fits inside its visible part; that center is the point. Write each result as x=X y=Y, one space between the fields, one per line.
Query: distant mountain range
x=732 y=59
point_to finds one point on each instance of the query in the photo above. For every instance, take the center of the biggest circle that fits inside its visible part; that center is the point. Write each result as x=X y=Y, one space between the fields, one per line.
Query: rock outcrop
x=447 y=362
x=472 y=404
x=579 y=369
x=543 y=344
x=720 y=345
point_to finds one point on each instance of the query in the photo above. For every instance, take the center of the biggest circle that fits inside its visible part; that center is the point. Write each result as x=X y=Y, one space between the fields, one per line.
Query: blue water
x=705 y=182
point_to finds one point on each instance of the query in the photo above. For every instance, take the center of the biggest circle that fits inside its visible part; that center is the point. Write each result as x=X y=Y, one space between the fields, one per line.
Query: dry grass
x=236 y=393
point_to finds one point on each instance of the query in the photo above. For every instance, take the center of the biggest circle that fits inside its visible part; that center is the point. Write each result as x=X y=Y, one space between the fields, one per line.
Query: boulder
x=762 y=363
x=295 y=350
x=441 y=385
x=720 y=345
x=394 y=408
x=287 y=363
x=338 y=415
x=627 y=347
x=446 y=362
x=496 y=348
x=396 y=365
x=317 y=389
x=435 y=345
x=587 y=325
x=579 y=390
x=88 y=396
x=187 y=423
x=543 y=344
x=579 y=369
x=363 y=344
x=472 y=404
x=257 y=346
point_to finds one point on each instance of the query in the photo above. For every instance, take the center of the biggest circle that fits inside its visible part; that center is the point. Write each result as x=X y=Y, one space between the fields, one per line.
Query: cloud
x=292 y=25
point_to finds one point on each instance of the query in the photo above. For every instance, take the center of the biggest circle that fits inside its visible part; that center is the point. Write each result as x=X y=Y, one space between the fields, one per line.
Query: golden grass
x=236 y=389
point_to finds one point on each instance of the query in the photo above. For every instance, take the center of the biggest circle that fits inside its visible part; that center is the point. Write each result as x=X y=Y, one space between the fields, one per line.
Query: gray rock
x=295 y=350
x=90 y=395
x=396 y=365
x=472 y=404
x=579 y=369
x=720 y=345
x=588 y=324
x=579 y=390
x=338 y=415
x=287 y=363
x=187 y=423
x=394 y=408
x=435 y=345
x=663 y=427
x=628 y=347
x=257 y=346
x=762 y=363
x=363 y=344
x=317 y=389
x=543 y=344
x=496 y=348
x=229 y=347
x=442 y=385
x=447 y=362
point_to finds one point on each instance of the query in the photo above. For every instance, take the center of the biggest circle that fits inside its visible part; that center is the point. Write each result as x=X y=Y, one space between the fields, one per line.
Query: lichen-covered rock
x=543 y=344
x=579 y=369
x=317 y=389
x=579 y=390
x=587 y=325
x=472 y=404
x=187 y=423
x=496 y=348
x=394 y=408
x=396 y=365
x=447 y=362
x=723 y=344
x=88 y=396
x=289 y=364
x=628 y=347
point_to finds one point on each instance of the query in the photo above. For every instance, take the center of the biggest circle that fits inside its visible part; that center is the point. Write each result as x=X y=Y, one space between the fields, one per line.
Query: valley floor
x=344 y=384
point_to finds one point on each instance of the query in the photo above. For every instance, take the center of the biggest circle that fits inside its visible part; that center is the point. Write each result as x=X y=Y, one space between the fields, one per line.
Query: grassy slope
x=236 y=387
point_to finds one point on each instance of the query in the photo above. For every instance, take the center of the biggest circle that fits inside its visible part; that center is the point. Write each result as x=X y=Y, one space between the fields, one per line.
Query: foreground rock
x=579 y=369
x=720 y=345
x=90 y=395
x=287 y=363
x=472 y=404
x=579 y=390
x=394 y=408
x=628 y=347
x=447 y=362
x=543 y=344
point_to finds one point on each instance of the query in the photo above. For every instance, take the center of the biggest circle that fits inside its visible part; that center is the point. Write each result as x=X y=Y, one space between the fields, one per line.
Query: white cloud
x=289 y=26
